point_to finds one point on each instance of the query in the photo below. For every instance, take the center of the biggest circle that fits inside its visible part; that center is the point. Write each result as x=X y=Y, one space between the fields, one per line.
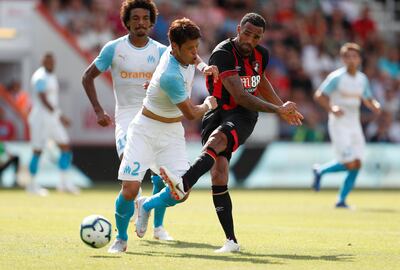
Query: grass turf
x=277 y=229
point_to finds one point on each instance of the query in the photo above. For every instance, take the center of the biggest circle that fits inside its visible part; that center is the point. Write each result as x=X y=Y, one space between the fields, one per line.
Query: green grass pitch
x=277 y=229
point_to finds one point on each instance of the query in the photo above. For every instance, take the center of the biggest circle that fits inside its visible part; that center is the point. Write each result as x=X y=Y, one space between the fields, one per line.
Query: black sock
x=223 y=207
x=202 y=165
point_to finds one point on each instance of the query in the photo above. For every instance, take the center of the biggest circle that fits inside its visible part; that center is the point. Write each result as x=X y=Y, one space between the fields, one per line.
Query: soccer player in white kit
x=132 y=59
x=156 y=135
x=46 y=122
x=340 y=94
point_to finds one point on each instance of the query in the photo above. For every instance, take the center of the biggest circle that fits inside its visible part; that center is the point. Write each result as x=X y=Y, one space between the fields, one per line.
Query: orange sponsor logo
x=136 y=75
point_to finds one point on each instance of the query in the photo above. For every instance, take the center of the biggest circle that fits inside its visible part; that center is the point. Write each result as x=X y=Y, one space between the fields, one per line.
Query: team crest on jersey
x=151 y=59
x=256 y=66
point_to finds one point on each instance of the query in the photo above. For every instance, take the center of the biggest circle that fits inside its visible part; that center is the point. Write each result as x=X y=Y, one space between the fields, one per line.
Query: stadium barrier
x=289 y=165
x=276 y=165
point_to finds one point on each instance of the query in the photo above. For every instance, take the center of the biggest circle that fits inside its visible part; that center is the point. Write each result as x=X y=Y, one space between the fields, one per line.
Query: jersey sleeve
x=40 y=85
x=265 y=57
x=367 y=93
x=162 y=49
x=104 y=60
x=225 y=61
x=173 y=85
x=329 y=85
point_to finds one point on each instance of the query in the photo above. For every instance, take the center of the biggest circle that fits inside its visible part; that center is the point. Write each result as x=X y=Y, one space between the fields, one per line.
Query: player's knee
x=217 y=141
x=353 y=165
x=130 y=189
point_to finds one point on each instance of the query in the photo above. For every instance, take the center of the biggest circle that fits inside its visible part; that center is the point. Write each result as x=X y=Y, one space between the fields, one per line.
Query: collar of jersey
x=176 y=61
x=137 y=48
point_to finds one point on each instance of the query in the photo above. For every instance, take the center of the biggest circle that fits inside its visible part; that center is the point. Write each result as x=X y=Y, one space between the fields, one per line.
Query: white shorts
x=151 y=144
x=44 y=127
x=123 y=116
x=347 y=139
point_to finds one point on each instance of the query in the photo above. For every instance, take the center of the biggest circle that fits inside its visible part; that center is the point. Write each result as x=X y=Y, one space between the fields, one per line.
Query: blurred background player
x=47 y=122
x=155 y=137
x=241 y=92
x=340 y=95
x=133 y=59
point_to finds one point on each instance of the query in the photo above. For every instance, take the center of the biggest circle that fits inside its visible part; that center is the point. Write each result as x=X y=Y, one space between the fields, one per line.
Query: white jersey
x=346 y=91
x=150 y=143
x=47 y=83
x=130 y=67
x=43 y=124
x=171 y=84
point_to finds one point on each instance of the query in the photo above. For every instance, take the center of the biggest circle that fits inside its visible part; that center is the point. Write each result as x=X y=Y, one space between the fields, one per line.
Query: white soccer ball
x=95 y=231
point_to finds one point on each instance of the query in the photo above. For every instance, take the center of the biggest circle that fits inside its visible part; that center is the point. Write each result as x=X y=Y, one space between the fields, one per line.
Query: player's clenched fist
x=103 y=119
x=211 y=102
x=65 y=121
x=212 y=70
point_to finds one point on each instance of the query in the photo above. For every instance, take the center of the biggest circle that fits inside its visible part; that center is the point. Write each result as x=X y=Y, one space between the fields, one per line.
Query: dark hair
x=48 y=54
x=128 y=5
x=254 y=19
x=182 y=30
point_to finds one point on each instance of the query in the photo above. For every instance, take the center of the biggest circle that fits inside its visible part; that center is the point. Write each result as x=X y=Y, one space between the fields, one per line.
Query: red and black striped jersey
x=229 y=62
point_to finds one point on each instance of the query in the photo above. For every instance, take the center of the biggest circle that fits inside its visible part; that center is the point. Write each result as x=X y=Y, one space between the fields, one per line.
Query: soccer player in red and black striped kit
x=242 y=92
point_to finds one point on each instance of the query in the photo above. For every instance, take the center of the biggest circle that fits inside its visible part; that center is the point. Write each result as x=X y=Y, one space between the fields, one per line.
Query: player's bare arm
x=192 y=112
x=325 y=103
x=373 y=105
x=266 y=91
x=45 y=102
x=64 y=120
x=103 y=119
x=234 y=86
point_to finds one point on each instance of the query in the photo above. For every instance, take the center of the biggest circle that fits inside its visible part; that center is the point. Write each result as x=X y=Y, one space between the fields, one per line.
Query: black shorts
x=237 y=126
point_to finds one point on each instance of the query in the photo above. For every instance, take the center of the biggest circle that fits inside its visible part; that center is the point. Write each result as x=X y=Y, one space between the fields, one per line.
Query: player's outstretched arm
x=103 y=119
x=266 y=90
x=234 y=86
x=288 y=112
x=192 y=112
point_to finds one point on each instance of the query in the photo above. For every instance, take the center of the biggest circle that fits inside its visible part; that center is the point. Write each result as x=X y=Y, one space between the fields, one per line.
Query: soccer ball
x=95 y=231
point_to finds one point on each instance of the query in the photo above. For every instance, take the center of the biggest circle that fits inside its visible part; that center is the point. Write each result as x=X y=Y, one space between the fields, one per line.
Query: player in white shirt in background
x=156 y=135
x=132 y=60
x=47 y=122
x=340 y=95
